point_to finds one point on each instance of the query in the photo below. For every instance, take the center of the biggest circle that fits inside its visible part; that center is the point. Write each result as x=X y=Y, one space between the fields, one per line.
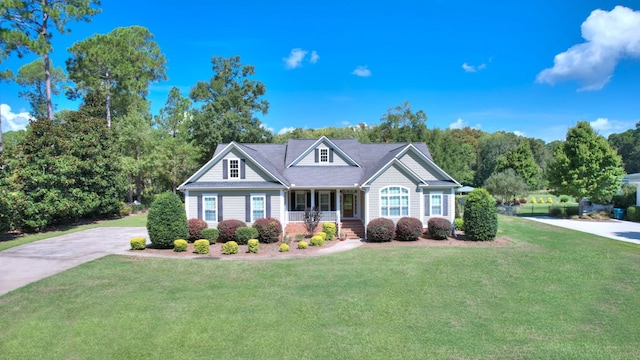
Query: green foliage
x=521 y=161
x=227 y=229
x=400 y=124
x=283 y=248
x=269 y=230
x=506 y=184
x=302 y=245
x=323 y=234
x=125 y=210
x=628 y=146
x=138 y=243
x=626 y=198
x=211 y=235
x=480 y=216
x=459 y=223
x=166 y=220
x=439 y=228
x=585 y=166
x=549 y=200
x=571 y=211
x=230 y=247
x=244 y=234
x=381 y=230
x=555 y=211
x=330 y=230
x=455 y=151
x=490 y=148
x=633 y=213
x=564 y=199
x=201 y=246
x=317 y=240
x=408 y=229
x=195 y=228
x=253 y=246
x=32 y=76
x=180 y=245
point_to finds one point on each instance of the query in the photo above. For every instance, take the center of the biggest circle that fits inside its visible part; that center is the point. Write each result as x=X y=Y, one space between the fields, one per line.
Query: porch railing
x=298 y=216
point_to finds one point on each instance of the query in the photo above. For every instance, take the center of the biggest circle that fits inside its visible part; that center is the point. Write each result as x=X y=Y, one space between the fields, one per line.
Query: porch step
x=353 y=228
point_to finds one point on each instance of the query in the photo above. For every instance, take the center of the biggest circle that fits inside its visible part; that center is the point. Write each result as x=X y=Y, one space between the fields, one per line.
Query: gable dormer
x=323 y=152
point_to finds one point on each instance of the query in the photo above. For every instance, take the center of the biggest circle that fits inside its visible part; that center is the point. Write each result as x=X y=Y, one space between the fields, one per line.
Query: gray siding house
x=348 y=181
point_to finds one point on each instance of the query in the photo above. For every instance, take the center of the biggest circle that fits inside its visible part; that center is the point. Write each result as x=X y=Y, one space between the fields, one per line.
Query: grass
x=555 y=293
x=9 y=241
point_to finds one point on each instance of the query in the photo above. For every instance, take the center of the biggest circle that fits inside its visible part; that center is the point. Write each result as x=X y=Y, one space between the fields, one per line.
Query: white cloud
x=266 y=127
x=285 y=130
x=314 y=57
x=458 y=124
x=606 y=127
x=610 y=36
x=600 y=124
x=519 y=133
x=362 y=71
x=482 y=66
x=12 y=121
x=295 y=58
x=472 y=68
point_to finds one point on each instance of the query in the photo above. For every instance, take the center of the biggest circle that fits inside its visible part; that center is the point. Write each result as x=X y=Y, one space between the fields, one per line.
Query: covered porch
x=335 y=205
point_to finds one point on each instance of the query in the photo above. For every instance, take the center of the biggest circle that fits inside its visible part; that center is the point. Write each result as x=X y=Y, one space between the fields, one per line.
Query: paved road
x=30 y=262
x=614 y=229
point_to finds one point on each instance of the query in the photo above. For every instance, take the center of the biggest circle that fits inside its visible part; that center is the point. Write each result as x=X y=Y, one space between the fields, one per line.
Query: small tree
x=311 y=220
x=480 y=216
x=507 y=184
x=167 y=220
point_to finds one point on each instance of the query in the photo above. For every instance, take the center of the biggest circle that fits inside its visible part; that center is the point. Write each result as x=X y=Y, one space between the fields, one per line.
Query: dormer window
x=234 y=168
x=324 y=155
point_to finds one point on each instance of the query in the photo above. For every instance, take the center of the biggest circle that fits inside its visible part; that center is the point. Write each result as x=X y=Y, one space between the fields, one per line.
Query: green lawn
x=553 y=294
x=8 y=241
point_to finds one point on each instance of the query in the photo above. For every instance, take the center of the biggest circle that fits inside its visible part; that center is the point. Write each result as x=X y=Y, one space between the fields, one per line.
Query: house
x=349 y=182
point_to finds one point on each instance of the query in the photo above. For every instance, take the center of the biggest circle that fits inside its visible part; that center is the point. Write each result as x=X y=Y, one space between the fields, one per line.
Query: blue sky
x=533 y=68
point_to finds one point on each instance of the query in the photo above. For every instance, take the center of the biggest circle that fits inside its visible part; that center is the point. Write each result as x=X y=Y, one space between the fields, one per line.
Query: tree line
x=84 y=163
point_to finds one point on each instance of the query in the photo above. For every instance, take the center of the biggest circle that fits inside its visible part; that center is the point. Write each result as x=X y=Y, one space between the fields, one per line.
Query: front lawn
x=553 y=294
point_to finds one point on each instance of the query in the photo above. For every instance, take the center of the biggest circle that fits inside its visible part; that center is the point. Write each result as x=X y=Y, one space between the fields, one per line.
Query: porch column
x=338 y=211
x=313 y=198
x=284 y=217
x=366 y=211
x=421 y=196
x=186 y=202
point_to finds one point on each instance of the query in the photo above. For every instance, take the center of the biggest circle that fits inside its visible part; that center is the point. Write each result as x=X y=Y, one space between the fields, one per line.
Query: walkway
x=613 y=229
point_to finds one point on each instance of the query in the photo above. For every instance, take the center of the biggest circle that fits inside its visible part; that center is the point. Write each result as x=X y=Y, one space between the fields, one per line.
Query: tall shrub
x=167 y=220
x=480 y=216
x=329 y=228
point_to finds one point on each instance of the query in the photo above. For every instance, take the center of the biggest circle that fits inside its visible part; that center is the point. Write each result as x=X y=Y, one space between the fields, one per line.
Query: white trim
x=421 y=201
x=215 y=208
x=400 y=206
x=313 y=198
x=229 y=160
x=283 y=209
x=366 y=210
x=186 y=204
x=320 y=155
x=331 y=145
x=431 y=162
x=264 y=205
x=433 y=194
x=338 y=219
x=402 y=165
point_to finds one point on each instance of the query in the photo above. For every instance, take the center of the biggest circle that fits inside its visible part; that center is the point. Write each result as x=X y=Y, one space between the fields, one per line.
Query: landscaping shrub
x=533 y=200
x=459 y=222
x=283 y=248
x=230 y=247
x=311 y=219
x=211 y=235
x=180 y=245
x=541 y=200
x=408 y=229
x=227 y=229
x=244 y=234
x=125 y=210
x=380 y=230
x=564 y=199
x=330 y=229
x=522 y=200
x=253 y=245
x=166 y=220
x=201 y=246
x=317 y=240
x=480 y=216
x=195 y=228
x=555 y=211
x=439 y=228
x=269 y=230
x=549 y=200
x=302 y=245
x=632 y=213
x=571 y=211
x=323 y=234
x=138 y=243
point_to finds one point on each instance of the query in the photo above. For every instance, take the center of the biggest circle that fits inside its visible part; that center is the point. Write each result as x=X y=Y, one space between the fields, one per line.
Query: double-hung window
x=325 y=203
x=394 y=201
x=234 y=168
x=301 y=200
x=436 y=205
x=324 y=155
x=210 y=207
x=258 y=206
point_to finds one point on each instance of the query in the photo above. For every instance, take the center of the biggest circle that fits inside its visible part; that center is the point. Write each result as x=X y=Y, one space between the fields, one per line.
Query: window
x=324 y=155
x=436 y=205
x=210 y=207
x=258 y=203
x=301 y=200
x=394 y=201
x=234 y=168
x=325 y=204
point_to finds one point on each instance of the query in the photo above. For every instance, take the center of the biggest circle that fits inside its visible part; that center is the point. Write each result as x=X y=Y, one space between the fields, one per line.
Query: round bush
x=632 y=213
x=329 y=229
x=302 y=245
x=166 y=220
x=195 y=228
x=408 y=229
x=180 y=245
x=283 y=248
x=269 y=230
x=201 y=246
x=381 y=230
x=317 y=240
x=480 y=216
x=439 y=228
x=253 y=245
x=323 y=234
x=244 y=234
x=227 y=229
x=211 y=235
x=138 y=243
x=230 y=247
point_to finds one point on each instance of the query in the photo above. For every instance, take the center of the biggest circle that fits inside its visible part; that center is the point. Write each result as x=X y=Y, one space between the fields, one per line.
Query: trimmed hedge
x=269 y=230
x=180 y=245
x=317 y=240
x=302 y=245
x=138 y=243
x=408 y=229
x=201 y=246
x=244 y=234
x=253 y=246
x=439 y=228
x=480 y=216
x=211 y=235
x=195 y=228
x=166 y=220
x=230 y=247
x=381 y=230
x=330 y=229
x=227 y=229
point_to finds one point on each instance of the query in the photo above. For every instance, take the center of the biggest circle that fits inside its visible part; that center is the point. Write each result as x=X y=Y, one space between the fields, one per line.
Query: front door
x=347 y=205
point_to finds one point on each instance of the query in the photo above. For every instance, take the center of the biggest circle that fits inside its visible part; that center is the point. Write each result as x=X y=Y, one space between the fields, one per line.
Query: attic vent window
x=234 y=167
x=324 y=155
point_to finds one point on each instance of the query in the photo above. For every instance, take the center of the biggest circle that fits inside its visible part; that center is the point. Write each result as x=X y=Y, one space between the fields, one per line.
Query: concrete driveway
x=613 y=229
x=30 y=262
